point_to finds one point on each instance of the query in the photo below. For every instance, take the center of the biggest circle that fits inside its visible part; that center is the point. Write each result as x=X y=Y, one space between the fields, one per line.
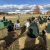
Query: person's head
x=18 y=21
x=10 y=21
x=4 y=18
x=30 y=30
x=33 y=18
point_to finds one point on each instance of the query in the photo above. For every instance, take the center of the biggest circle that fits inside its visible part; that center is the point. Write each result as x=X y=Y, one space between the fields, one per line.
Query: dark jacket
x=10 y=27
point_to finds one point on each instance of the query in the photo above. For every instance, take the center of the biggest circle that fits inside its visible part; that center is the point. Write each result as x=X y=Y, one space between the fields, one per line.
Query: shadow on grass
x=9 y=39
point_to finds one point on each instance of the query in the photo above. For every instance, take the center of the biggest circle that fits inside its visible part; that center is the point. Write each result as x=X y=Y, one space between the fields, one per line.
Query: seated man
x=10 y=26
x=17 y=25
x=33 y=29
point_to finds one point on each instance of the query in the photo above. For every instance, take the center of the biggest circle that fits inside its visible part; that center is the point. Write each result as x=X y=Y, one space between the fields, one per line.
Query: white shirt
x=17 y=25
x=27 y=24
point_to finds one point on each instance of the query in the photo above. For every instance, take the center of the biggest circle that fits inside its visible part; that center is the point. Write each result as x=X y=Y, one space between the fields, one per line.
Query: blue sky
x=15 y=5
x=16 y=2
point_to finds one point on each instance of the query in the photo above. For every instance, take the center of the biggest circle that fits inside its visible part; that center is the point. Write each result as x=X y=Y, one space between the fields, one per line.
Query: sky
x=18 y=2
x=23 y=5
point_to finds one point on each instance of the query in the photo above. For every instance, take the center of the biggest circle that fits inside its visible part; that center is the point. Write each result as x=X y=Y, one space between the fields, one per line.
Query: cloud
x=23 y=8
x=47 y=7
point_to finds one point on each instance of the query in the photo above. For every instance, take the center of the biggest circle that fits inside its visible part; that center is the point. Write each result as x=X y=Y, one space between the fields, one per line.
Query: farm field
x=18 y=44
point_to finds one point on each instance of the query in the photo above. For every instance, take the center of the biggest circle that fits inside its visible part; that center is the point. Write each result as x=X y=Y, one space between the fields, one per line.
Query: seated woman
x=27 y=23
x=17 y=25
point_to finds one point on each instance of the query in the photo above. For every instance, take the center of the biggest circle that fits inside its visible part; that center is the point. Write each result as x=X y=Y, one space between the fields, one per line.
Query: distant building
x=37 y=10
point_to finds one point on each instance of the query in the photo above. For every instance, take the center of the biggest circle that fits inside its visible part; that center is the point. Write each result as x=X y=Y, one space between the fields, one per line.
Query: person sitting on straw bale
x=17 y=25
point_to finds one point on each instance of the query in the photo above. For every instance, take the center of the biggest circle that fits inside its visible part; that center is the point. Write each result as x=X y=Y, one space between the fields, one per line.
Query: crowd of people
x=29 y=22
x=31 y=26
x=32 y=30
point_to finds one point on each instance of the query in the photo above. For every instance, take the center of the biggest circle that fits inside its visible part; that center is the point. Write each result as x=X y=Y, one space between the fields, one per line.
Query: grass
x=23 y=19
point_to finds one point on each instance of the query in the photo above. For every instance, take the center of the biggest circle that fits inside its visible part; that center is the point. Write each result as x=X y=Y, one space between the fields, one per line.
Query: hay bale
x=2 y=42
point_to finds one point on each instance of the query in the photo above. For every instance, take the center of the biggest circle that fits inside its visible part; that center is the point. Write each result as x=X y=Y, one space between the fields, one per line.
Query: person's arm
x=15 y=26
x=37 y=24
x=7 y=26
